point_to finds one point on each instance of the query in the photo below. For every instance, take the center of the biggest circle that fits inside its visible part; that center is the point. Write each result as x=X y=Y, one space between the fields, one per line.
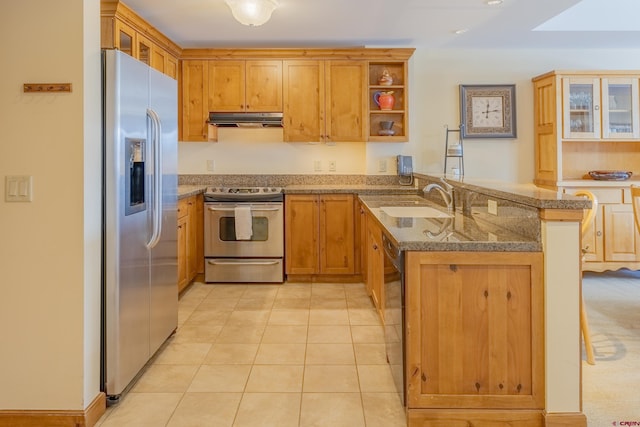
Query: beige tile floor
x=307 y=355
x=610 y=387
x=313 y=355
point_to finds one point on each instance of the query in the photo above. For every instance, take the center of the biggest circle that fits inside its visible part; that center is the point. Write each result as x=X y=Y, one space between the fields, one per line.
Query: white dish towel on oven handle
x=244 y=222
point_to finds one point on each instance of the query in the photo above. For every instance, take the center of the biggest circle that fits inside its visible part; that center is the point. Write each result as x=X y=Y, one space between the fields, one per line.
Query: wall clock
x=488 y=111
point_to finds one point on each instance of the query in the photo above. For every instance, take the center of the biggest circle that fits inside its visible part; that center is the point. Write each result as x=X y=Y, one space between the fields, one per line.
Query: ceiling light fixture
x=252 y=12
x=461 y=31
x=493 y=2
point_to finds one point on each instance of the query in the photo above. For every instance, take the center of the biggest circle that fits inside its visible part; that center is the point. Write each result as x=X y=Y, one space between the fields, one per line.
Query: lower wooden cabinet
x=190 y=239
x=612 y=242
x=319 y=234
x=375 y=265
x=475 y=327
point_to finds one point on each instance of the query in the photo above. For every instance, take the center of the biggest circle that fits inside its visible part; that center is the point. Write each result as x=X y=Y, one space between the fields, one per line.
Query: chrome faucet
x=445 y=190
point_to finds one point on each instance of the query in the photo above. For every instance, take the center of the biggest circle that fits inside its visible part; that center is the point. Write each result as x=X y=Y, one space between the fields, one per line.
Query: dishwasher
x=394 y=314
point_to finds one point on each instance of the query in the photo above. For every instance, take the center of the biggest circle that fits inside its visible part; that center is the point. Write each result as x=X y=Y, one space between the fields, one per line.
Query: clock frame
x=488 y=111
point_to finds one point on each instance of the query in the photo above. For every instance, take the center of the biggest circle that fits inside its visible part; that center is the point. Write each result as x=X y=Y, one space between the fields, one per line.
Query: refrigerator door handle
x=156 y=131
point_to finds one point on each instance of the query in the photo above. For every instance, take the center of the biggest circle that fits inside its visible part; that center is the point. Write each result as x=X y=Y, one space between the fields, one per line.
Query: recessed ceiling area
x=417 y=23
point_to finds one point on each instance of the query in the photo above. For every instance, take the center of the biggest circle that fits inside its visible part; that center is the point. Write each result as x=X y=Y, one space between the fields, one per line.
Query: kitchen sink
x=414 y=212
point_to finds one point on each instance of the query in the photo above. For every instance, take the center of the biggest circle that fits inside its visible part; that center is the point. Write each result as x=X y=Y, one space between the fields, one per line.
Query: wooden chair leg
x=584 y=326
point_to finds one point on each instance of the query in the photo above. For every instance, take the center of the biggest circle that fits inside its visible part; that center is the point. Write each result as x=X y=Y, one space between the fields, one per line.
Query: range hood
x=252 y=120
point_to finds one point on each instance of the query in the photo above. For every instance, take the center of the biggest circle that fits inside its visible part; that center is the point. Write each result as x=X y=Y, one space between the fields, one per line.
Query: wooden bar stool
x=584 y=323
x=635 y=201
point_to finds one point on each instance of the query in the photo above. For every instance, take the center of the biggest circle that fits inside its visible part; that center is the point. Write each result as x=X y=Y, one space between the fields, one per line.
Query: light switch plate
x=382 y=165
x=18 y=188
x=317 y=165
x=210 y=165
x=332 y=165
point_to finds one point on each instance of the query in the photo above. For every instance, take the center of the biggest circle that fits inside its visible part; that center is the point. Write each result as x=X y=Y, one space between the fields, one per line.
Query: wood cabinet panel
x=263 y=86
x=190 y=239
x=319 y=234
x=237 y=86
x=303 y=100
x=302 y=222
x=183 y=230
x=475 y=325
x=195 y=112
x=226 y=86
x=345 y=102
x=622 y=242
x=375 y=265
x=337 y=234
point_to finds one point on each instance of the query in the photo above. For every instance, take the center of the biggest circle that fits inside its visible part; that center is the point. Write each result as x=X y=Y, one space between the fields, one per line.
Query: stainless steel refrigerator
x=139 y=293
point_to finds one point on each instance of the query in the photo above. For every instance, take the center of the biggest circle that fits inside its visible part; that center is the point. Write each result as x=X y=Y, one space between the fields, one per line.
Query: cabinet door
x=620 y=108
x=199 y=235
x=301 y=234
x=303 y=100
x=192 y=239
x=125 y=39
x=144 y=49
x=226 y=86
x=264 y=86
x=475 y=326
x=375 y=264
x=336 y=234
x=621 y=240
x=183 y=279
x=172 y=67
x=195 y=112
x=593 y=238
x=345 y=103
x=159 y=59
x=581 y=107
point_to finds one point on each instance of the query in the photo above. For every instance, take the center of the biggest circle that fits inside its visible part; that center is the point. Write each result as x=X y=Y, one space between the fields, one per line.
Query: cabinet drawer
x=603 y=195
x=183 y=207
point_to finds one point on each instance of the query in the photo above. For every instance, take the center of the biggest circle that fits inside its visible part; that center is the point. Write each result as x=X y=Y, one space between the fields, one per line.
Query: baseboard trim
x=565 y=419
x=43 y=418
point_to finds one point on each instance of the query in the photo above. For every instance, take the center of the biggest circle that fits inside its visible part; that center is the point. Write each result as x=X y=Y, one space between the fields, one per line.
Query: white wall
x=434 y=102
x=49 y=250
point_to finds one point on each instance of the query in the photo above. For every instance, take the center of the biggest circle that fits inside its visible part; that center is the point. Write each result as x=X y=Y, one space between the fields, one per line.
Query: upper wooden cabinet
x=323 y=93
x=324 y=101
x=194 y=111
x=245 y=86
x=583 y=121
x=122 y=29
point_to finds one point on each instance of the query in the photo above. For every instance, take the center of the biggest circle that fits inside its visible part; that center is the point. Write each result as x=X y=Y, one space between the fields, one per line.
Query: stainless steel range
x=244 y=234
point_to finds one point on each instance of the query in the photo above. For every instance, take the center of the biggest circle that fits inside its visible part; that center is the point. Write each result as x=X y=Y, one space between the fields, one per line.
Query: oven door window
x=259 y=224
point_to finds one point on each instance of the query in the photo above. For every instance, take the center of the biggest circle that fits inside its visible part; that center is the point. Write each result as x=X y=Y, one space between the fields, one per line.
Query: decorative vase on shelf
x=384 y=100
x=386 y=128
x=385 y=79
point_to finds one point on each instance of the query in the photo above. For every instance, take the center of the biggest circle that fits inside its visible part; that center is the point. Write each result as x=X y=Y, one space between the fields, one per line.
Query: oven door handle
x=216 y=262
x=252 y=208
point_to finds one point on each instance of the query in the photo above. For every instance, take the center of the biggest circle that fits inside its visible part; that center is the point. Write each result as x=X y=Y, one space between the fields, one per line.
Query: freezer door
x=163 y=306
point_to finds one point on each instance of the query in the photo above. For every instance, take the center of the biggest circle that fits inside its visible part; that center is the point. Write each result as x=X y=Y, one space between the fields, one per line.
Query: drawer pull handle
x=243 y=262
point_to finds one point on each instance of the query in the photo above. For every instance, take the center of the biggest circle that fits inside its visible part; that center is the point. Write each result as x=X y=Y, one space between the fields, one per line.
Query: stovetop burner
x=255 y=194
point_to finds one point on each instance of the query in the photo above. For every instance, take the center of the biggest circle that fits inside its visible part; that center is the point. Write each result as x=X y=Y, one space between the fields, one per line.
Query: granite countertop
x=457 y=232
x=349 y=188
x=190 y=190
x=526 y=194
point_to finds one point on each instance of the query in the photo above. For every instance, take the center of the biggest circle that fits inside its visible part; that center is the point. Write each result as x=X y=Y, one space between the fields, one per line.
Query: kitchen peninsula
x=492 y=295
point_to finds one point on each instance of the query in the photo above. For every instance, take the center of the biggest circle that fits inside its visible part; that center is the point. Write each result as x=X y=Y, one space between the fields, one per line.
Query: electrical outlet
x=332 y=165
x=492 y=207
x=382 y=165
x=210 y=165
x=317 y=165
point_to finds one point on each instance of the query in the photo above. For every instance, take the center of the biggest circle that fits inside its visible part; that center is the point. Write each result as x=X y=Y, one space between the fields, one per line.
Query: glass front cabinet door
x=581 y=108
x=620 y=108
